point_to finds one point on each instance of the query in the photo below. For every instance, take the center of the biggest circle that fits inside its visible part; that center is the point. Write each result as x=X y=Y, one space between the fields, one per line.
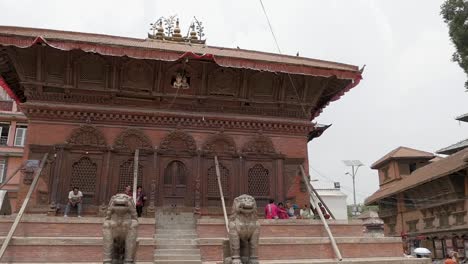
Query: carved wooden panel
x=27 y=60
x=219 y=143
x=55 y=63
x=259 y=144
x=92 y=72
x=87 y=135
x=294 y=88
x=259 y=181
x=84 y=174
x=224 y=82
x=212 y=181
x=137 y=76
x=126 y=175
x=263 y=85
x=131 y=139
x=181 y=78
x=178 y=142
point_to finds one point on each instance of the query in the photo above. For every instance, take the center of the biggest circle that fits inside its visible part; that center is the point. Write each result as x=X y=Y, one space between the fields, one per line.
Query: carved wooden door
x=175 y=183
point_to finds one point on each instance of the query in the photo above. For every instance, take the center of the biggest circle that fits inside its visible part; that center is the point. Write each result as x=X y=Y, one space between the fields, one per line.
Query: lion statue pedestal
x=244 y=232
x=119 y=231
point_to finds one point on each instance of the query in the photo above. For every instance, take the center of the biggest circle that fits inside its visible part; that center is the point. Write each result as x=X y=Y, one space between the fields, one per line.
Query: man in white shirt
x=74 y=200
x=306 y=213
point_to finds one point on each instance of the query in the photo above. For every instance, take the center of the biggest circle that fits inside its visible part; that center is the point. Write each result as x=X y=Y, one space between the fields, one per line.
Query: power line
x=279 y=51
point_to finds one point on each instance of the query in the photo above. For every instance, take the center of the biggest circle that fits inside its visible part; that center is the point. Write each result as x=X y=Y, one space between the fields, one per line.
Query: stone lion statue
x=244 y=232
x=120 y=230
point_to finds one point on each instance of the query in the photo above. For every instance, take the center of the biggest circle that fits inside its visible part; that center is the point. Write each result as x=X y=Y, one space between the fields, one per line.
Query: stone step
x=185 y=261
x=175 y=241
x=177 y=257
x=176 y=246
x=175 y=236
x=177 y=251
x=189 y=231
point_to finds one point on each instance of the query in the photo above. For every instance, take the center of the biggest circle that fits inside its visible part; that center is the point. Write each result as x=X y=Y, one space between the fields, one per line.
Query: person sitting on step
x=75 y=198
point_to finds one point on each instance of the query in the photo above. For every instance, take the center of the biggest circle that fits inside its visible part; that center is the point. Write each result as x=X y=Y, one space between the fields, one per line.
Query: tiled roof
x=148 y=44
x=432 y=171
x=400 y=153
x=454 y=148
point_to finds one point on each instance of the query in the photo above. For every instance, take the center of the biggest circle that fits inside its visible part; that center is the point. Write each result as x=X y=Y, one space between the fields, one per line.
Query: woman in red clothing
x=282 y=213
x=271 y=210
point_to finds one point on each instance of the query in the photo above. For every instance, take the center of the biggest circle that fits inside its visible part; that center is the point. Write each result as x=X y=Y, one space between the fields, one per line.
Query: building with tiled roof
x=423 y=199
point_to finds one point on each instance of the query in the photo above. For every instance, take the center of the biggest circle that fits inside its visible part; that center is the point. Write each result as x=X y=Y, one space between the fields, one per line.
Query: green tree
x=455 y=14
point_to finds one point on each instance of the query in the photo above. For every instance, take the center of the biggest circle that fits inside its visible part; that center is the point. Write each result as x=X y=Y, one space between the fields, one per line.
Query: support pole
x=323 y=203
x=218 y=176
x=313 y=200
x=135 y=174
x=9 y=178
x=23 y=207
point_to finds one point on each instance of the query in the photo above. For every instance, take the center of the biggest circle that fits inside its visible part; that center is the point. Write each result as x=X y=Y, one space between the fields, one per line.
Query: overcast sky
x=410 y=94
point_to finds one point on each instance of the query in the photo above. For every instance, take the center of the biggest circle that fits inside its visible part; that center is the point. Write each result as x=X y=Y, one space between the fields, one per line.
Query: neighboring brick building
x=13 y=127
x=423 y=199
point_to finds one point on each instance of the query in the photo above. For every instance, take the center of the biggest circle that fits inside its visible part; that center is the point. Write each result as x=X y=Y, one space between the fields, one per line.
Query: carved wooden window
x=213 y=189
x=443 y=220
x=429 y=223
x=84 y=173
x=459 y=218
x=126 y=175
x=259 y=181
x=412 y=226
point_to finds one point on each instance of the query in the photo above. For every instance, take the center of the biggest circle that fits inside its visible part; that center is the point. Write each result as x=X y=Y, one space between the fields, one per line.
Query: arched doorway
x=175 y=183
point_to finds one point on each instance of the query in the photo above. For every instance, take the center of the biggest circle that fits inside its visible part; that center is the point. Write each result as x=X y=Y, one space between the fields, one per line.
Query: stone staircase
x=176 y=238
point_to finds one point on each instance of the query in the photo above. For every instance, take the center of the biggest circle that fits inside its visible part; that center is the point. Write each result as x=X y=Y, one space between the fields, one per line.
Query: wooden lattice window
x=213 y=189
x=84 y=173
x=126 y=175
x=259 y=181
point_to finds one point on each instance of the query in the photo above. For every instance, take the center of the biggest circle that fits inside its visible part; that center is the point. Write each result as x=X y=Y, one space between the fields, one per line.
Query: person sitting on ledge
x=74 y=200
x=282 y=213
x=306 y=213
x=271 y=210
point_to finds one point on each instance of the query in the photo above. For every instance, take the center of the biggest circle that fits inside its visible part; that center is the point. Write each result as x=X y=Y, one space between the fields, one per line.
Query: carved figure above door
x=87 y=135
x=131 y=139
x=178 y=142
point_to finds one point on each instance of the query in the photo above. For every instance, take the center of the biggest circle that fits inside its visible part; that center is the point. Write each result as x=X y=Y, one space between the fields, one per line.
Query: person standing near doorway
x=75 y=197
x=140 y=200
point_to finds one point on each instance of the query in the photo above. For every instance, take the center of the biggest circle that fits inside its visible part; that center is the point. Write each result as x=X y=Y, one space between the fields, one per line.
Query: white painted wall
x=336 y=202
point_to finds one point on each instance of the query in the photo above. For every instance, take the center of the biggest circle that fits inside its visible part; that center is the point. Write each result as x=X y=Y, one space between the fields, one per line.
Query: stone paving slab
x=308 y=240
x=38 y=218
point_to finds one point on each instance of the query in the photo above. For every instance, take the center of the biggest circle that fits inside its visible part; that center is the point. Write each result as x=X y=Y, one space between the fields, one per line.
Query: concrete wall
x=336 y=202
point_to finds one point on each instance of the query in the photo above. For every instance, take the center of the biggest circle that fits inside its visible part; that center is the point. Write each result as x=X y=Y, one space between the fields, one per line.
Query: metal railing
x=314 y=198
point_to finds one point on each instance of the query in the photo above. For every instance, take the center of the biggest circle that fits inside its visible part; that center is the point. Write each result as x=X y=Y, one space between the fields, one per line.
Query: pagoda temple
x=92 y=100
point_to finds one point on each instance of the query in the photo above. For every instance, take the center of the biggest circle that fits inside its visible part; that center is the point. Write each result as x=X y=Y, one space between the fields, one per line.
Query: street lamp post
x=354 y=164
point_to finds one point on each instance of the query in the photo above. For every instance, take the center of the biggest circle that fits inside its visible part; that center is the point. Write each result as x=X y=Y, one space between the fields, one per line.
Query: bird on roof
x=238 y=47
x=297 y=54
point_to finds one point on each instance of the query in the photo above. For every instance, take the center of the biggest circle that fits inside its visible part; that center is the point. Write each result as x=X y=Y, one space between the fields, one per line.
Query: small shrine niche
x=168 y=29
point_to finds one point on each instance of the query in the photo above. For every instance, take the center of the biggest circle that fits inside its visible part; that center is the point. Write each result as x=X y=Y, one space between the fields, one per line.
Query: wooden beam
x=23 y=207
x=218 y=176
x=135 y=174
x=322 y=218
x=10 y=177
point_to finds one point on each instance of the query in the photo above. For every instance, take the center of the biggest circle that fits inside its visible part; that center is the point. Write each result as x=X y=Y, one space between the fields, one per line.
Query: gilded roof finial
x=168 y=29
x=177 y=36
x=193 y=33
